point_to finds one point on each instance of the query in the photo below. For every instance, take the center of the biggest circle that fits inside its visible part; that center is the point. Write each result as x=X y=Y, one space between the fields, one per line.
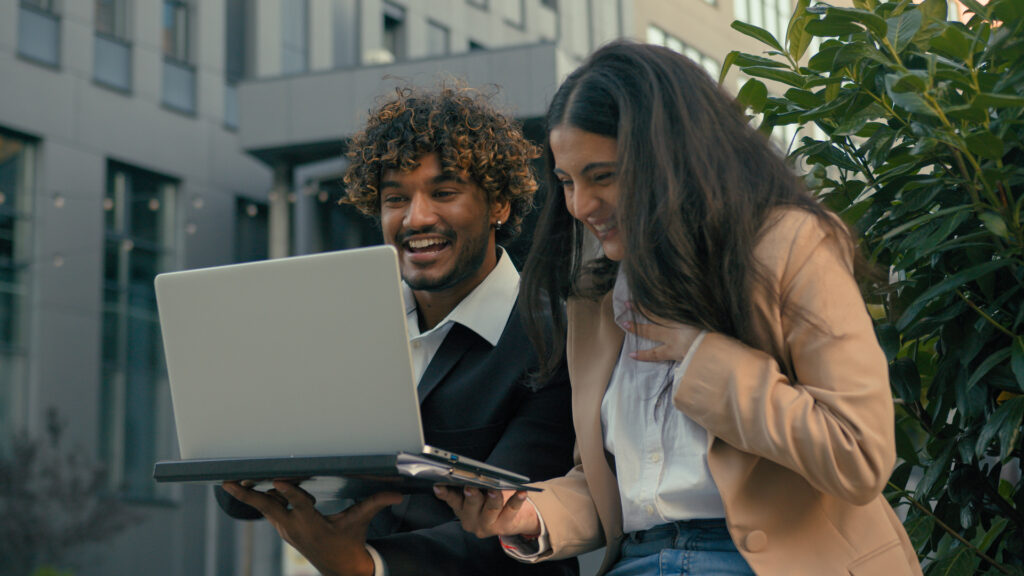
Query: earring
x=497 y=225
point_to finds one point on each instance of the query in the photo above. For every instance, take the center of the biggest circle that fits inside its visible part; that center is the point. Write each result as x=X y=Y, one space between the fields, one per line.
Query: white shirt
x=660 y=453
x=485 y=311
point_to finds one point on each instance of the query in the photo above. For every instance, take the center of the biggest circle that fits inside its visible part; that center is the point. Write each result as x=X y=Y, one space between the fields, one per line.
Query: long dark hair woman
x=731 y=401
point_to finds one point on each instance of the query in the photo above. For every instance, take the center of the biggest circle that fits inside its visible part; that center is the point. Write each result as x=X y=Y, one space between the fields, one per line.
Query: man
x=449 y=179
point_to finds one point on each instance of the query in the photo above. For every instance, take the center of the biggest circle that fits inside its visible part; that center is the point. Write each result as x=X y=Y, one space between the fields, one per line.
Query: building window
x=252 y=230
x=17 y=170
x=552 y=4
x=660 y=37
x=179 y=76
x=438 y=39
x=139 y=210
x=339 y=226
x=39 y=32
x=394 y=31
x=772 y=15
x=482 y=4
x=475 y=46
x=112 y=53
x=236 y=56
x=295 y=36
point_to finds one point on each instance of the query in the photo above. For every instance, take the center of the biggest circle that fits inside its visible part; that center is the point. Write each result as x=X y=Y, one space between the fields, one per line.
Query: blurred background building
x=144 y=136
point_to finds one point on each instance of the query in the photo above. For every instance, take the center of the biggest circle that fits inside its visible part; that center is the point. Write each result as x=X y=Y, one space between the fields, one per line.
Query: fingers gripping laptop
x=300 y=368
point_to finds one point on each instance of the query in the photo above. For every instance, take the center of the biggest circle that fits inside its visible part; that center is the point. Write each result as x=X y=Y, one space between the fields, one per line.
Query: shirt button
x=655 y=458
x=416 y=344
x=649 y=509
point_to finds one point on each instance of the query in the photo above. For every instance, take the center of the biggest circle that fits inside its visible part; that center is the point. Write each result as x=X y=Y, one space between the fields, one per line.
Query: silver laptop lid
x=302 y=356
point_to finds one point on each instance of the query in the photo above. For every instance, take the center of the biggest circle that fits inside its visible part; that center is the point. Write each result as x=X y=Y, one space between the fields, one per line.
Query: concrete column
x=279 y=211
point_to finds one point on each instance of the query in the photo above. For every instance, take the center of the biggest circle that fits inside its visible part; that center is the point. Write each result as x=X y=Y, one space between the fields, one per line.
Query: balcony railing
x=39 y=35
x=112 y=63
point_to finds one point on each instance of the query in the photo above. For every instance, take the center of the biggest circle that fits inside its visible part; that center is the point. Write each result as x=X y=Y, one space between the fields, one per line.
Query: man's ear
x=500 y=212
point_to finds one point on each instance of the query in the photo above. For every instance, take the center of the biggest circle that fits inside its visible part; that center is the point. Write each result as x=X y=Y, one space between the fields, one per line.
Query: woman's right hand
x=486 y=513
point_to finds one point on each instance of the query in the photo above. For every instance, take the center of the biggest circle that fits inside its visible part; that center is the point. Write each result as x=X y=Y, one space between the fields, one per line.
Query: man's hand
x=486 y=513
x=335 y=544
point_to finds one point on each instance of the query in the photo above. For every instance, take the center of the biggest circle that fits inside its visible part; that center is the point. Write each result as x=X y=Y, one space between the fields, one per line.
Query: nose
x=420 y=212
x=583 y=202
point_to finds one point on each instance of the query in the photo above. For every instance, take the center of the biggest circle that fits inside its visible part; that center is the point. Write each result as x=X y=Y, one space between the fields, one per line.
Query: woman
x=731 y=402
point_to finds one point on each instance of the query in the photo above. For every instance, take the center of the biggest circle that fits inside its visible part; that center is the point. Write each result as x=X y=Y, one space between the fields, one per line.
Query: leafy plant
x=912 y=129
x=51 y=501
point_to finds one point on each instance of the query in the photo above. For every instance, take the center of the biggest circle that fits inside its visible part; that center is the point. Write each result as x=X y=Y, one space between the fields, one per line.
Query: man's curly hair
x=468 y=134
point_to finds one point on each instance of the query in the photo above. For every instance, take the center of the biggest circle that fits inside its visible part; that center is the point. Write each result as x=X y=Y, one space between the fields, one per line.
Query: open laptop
x=300 y=368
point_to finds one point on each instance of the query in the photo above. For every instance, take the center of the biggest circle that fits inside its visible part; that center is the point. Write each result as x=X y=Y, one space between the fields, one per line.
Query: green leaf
x=999 y=100
x=933 y=9
x=912 y=81
x=867 y=5
x=952 y=42
x=753 y=95
x=991 y=362
x=984 y=540
x=873 y=22
x=1004 y=425
x=949 y=284
x=911 y=101
x=960 y=561
x=995 y=224
x=744 y=60
x=986 y=145
x=922 y=220
x=1017 y=360
x=1007 y=10
x=756 y=33
x=832 y=27
x=783 y=76
x=903 y=28
x=796 y=34
x=726 y=65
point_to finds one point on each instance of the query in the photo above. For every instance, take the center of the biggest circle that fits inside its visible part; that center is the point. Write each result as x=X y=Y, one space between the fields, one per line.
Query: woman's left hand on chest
x=674 y=340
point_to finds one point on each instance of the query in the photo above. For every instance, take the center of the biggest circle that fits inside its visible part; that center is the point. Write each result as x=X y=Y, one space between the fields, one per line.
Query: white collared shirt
x=485 y=311
x=660 y=453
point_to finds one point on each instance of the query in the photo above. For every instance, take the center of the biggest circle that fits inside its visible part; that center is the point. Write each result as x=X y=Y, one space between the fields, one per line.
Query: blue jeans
x=693 y=547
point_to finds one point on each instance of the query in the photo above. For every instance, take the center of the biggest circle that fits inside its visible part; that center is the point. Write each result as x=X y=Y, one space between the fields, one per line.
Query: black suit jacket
x=474 y=401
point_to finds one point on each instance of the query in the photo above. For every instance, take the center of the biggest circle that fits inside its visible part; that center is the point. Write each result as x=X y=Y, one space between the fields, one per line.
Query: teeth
x=421 y=244
x=604 y=228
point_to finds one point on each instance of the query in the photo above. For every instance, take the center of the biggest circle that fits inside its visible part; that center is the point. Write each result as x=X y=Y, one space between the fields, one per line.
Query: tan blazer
x=800 y=464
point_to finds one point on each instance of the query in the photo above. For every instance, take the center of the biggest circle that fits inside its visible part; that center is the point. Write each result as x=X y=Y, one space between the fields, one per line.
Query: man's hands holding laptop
x=334 y=544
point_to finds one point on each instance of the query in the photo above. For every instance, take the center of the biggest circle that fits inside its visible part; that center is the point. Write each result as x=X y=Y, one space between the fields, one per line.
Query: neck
x=434 y=306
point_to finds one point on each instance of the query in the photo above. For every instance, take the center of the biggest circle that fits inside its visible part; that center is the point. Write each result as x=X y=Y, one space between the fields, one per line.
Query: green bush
x=919 y=147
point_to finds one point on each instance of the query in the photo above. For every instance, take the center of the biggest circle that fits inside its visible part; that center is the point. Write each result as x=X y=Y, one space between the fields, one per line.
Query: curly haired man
x=449 y=179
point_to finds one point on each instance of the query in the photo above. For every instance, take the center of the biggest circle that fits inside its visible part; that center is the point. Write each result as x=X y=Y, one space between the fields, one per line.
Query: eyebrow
x=589 y=167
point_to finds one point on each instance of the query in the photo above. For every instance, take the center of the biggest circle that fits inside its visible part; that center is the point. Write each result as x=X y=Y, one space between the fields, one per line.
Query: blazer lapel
x=454 y=347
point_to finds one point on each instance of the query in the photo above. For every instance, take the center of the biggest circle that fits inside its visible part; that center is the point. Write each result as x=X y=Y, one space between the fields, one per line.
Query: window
x=39 y=32
x=236 y=56
x=482 y=4
x=438 y=40
x=340 y=226
x=475 y=46
x=552 y=4
x=179 y=77
x=139 y=210
x=112 y=53
x=660 y=37
x=17 y=165
x=772 y=15
x=295 y=36
x=394 y=31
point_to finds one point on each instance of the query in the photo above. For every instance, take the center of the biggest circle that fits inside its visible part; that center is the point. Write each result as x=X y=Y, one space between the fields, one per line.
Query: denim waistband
x=673 y=529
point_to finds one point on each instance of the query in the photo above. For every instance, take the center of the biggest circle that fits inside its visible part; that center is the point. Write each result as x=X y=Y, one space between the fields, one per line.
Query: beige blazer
x=800 y=464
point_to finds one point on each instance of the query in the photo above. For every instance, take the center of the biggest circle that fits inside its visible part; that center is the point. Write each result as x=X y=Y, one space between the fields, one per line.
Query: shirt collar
x=486 y=309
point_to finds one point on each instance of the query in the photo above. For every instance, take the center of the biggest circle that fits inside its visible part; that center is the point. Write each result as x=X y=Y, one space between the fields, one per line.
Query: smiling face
x=442 y=226
x=586 y=164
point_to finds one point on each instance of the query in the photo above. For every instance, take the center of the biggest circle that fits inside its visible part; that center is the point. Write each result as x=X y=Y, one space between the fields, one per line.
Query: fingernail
x=491 y=494
x=629 y=326
x=632 y=355
x=520 y=496
x=467 y=491
x=438 y=491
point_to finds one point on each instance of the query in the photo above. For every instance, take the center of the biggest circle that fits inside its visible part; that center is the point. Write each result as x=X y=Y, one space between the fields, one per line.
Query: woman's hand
x=486 y=513
x=675 y=340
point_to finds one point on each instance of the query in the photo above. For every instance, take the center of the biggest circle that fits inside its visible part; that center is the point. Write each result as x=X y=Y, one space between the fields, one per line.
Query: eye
x=604 y=177
x=567 y=184
x=392 y=199
x=444 y=193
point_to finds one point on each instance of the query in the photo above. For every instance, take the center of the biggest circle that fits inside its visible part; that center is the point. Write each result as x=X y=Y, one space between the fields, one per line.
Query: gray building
x=142 y=136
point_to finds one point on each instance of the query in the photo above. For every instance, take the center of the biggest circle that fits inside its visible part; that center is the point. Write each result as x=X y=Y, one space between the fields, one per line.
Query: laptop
x=300 y=368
